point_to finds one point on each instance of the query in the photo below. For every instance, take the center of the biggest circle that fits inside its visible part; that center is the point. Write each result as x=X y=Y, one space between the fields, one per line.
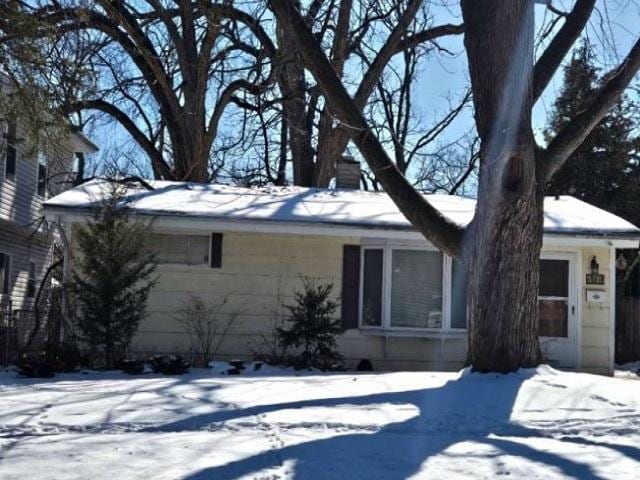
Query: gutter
x=185 y=222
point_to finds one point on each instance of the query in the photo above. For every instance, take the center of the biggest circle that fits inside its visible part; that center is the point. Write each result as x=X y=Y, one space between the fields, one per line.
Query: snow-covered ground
x=274 y=425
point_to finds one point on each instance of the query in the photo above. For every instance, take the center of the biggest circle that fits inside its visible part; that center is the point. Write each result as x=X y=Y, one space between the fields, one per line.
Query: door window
x=553 y=298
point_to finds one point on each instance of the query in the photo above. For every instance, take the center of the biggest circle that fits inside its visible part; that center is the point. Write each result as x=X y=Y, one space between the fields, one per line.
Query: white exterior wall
x=260 y=271
x=598 y=319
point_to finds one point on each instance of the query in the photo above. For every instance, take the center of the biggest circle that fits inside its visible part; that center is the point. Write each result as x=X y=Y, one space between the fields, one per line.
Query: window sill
x=182 y=266
x=413 y=333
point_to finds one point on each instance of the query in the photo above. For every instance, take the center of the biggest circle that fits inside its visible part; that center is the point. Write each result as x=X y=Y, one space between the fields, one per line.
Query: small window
x=10 y=150
x=42 y=174
x=31 y=281
x=5 y=268
x=78 y=166
x=372 y=287
x=181 y=249
x=416 y=289
x=78 y=158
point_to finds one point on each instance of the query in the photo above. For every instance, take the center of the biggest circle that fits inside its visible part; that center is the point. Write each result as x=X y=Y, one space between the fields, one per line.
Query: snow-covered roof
x=562 y=215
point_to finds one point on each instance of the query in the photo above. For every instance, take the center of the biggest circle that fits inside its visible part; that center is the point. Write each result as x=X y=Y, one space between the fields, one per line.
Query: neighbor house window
x=31 y=281
x=42 y=174
x=411 y=288
x=5 y=271
x=181 y=249
x=10 y=152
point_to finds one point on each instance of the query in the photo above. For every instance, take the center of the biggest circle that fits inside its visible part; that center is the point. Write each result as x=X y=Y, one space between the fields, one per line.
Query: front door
x=557 y=309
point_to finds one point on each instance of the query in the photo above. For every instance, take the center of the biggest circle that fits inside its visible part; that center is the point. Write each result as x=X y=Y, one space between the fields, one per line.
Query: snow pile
x=629 y=370
x=538 y=423
x=314 y=205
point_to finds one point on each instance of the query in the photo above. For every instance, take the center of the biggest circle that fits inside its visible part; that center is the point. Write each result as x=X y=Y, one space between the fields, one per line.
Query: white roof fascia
x=199 y=224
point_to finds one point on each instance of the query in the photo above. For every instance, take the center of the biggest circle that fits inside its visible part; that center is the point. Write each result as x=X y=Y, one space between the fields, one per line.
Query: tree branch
x=428 y=35
x=387 y=51
x=577 y=130
x=442 y=232
x=132 y=128
x=552 y=57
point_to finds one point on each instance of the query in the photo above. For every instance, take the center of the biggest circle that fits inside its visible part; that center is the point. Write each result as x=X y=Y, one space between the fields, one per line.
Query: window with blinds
x=416 y=289
x=180 y=249
x=410 y=288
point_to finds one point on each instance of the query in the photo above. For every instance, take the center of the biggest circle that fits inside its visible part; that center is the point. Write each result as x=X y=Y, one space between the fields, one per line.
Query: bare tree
x=347 y=32
x=214 y=90
x=165 y=70
x=501 y=246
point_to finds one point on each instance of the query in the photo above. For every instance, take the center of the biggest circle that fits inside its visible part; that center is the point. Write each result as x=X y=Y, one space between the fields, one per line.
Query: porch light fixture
x=595 y=268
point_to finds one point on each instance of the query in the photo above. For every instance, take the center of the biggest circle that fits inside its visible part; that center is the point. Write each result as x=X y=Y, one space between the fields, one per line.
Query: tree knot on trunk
x=512 y=174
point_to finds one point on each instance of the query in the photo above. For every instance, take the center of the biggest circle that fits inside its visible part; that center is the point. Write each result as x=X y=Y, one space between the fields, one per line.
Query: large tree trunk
x=292 y=83
x=503 y=260
x=506 y=236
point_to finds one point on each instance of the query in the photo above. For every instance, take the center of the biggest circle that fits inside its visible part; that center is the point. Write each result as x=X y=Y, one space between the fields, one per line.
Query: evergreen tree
x=312 y=327
x=604 y=169
x=112 y=278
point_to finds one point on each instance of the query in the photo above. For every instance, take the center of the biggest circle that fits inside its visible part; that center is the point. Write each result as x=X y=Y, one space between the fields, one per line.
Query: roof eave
x=207 y=222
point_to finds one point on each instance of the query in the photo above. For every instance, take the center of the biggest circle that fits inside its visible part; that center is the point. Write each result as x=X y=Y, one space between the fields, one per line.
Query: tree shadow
x=468 y=408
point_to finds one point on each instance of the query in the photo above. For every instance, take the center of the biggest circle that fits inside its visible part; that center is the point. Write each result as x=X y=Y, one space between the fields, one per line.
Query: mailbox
x=597 y=296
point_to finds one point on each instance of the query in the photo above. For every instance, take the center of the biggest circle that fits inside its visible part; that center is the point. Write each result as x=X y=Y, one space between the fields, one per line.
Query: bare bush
x=206 y=326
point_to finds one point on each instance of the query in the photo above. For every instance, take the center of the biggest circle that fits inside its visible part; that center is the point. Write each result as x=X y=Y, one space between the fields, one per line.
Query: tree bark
x=292 y=84
x=505 y=239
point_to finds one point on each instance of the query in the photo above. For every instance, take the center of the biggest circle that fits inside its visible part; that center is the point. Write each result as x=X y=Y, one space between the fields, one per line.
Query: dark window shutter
x=350 y=285
x=11 y=152
x=215 y=259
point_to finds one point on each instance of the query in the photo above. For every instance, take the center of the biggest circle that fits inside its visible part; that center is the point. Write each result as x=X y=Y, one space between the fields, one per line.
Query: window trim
x=386 y=327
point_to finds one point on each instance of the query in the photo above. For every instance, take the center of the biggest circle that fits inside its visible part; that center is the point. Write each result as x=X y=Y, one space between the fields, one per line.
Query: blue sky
x=443 y=76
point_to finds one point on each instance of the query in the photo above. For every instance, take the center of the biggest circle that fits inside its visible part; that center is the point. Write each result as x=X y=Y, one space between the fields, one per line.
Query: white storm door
x=557 y=302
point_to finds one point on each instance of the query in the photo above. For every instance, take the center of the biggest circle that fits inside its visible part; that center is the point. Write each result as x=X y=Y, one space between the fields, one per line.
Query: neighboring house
x=27 y=178
x=402 y=300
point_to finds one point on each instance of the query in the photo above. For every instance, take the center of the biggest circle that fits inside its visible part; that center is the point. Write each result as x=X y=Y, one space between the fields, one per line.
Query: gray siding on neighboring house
x=22 y=234
x=19 y=201
x=23 y=249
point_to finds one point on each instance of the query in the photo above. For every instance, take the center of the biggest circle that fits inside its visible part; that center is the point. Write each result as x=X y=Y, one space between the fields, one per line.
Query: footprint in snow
x=606 y=400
